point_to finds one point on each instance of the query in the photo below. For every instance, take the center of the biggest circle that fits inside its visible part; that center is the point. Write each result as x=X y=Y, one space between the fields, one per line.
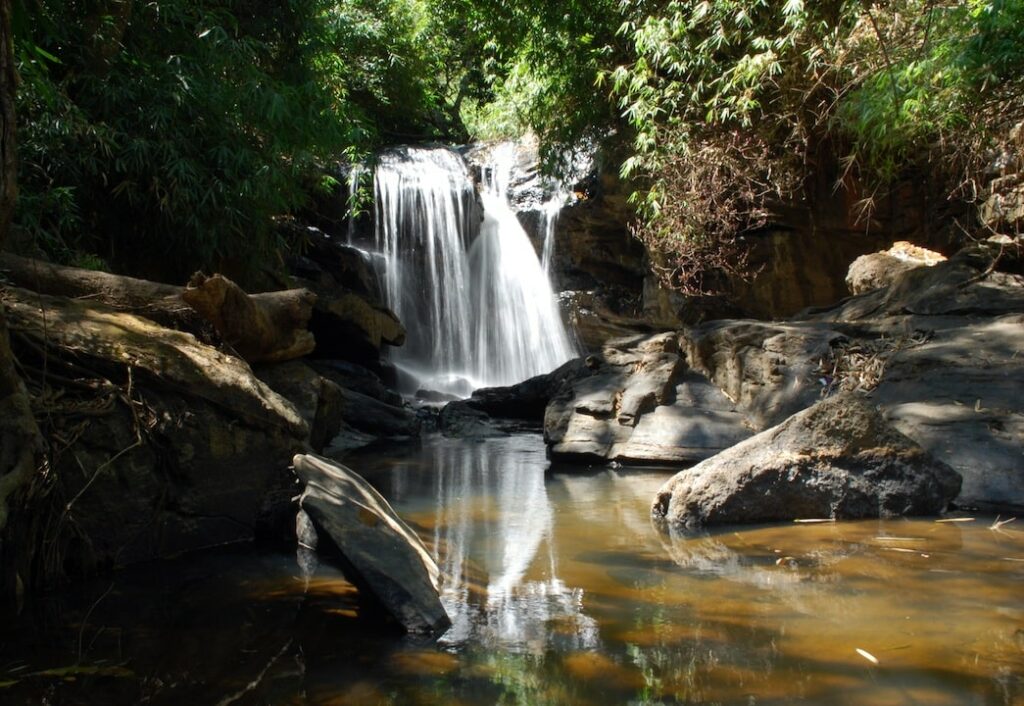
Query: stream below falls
x=561 y=592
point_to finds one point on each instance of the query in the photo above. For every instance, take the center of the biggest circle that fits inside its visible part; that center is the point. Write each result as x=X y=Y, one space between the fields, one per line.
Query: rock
x=1003 y=208
x=527 y=400
x=347 y=439
x=594 y=245
x=351 y=327
x=771 y=370
x=641 y=405
x=458 y=419
x=350 y=320
x=839 y=459
x=381 y=555
x=318 y=400
x=601 y=314
x=880 y=269
x=335 y=265
x=372 y=416
x=353 y=376
x=958 y=394
x=499 y=411
x=963 y=285
x=177 y=359
x=874 y=271
x=185 y=448
x=434 y=396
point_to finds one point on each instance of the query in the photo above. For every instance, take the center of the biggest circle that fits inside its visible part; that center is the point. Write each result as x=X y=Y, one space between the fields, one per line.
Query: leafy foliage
x=175 y=131
x=168 y=135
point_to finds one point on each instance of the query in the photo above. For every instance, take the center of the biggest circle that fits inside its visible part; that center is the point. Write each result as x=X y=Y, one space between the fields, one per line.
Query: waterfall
x=477 y=305
x=549 y=213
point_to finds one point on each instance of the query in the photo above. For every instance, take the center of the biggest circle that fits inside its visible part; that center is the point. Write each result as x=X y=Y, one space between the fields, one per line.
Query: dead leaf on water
x=867 y=655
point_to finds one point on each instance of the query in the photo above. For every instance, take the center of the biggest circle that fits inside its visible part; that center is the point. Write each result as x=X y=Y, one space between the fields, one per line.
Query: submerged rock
x=460 y=420
x=381 y=554
x=839 y=459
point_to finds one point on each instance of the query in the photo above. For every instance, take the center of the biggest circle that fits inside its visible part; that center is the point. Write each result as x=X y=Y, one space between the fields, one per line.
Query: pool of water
x=561 y=592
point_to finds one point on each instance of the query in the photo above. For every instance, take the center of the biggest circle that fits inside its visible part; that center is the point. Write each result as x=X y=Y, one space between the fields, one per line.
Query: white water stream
x=475 y=300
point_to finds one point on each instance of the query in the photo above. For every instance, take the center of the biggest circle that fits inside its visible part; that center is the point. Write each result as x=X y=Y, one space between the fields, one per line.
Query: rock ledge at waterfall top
x=839 y=459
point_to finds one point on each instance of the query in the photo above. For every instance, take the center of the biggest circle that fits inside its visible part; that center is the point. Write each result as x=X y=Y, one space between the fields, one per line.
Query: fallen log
x=382 y=556
x=268 y=327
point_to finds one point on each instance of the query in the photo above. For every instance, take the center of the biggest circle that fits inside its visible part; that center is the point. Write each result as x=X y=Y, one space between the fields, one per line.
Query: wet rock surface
x=350 y=320
x=839 y=459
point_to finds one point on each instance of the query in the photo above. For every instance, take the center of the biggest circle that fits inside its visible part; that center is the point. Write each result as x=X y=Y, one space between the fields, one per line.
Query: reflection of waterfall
x=477 y=305
x=517 y=562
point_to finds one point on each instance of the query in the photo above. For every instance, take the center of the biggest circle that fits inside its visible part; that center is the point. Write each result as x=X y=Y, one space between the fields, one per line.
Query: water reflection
x=491 y=503
x=562 y=593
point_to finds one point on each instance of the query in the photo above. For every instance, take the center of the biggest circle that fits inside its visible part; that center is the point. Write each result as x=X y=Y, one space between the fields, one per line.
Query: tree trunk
x=154 y=300
x=268 y=327
x=260 y=328
x=21 y=443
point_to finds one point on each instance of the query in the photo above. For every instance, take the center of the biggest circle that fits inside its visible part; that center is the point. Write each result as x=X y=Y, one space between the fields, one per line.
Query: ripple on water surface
x=560 y=592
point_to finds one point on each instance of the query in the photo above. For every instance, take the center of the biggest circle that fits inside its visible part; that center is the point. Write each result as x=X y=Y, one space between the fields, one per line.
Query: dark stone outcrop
x=317 y=400
x=499 y=411
x=839 y=459
x=350 y=320
x=460 y=420
x=527 y=400
x=159 y=444
x=380 y=554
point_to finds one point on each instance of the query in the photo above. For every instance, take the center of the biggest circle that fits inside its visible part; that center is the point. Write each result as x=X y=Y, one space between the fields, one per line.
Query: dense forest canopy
x=177 y=131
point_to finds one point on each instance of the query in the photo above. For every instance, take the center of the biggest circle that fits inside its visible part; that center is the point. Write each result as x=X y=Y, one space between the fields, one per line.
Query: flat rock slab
x=839 y=459
x=961 y=396
x=383 y=556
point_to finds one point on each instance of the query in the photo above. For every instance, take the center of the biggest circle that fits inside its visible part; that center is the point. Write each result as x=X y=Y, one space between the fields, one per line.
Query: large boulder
x=380 y=554
x=982 y=279
x=159 y=444
x=839 y=459
x=641 y=404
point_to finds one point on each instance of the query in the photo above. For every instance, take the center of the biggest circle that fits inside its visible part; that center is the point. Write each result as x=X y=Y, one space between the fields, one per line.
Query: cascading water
x=476 y=303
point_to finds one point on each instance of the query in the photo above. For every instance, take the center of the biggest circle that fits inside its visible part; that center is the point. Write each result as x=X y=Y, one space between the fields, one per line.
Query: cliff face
x=800 y=260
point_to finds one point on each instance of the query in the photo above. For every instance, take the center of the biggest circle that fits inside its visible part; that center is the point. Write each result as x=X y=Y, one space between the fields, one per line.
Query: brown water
x=561 y=592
